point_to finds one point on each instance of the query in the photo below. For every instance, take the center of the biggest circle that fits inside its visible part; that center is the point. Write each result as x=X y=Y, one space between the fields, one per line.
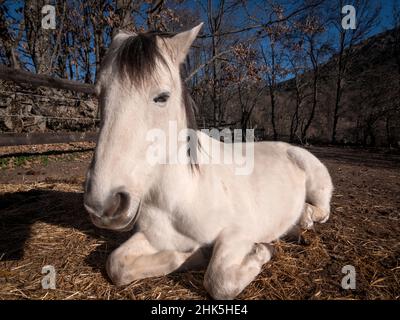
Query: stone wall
x=28 y=109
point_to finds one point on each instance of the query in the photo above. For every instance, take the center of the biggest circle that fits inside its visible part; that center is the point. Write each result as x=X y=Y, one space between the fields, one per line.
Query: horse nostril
x=114 y=205
x=93 y=208
x=118 y=203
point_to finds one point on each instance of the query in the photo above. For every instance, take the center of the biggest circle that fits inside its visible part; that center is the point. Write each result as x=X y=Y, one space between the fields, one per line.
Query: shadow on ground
x=20 y=210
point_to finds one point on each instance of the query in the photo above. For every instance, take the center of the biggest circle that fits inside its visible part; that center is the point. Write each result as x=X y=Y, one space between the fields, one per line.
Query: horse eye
x=161 y=98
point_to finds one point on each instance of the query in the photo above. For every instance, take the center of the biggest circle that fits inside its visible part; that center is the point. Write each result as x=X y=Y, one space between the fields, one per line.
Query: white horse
x=188 y=215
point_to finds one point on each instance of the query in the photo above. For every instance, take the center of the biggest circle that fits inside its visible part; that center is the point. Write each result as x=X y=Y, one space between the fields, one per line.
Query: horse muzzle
x=119 y=212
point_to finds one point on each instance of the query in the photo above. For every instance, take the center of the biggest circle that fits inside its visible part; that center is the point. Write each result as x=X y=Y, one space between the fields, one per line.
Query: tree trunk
x=338 y=87
x=294 y=124
x=314 y=105
x=272 y=99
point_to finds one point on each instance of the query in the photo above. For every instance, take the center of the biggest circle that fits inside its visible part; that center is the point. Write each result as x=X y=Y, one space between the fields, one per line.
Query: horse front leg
x=138 y=259
x=235 y=262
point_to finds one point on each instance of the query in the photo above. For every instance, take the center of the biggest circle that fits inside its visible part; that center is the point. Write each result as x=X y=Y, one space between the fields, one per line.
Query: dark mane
x=138 y=55
x=136 y=61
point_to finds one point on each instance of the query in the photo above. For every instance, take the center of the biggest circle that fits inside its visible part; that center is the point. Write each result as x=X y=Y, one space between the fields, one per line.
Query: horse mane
x=137 y=58
x=138 y=55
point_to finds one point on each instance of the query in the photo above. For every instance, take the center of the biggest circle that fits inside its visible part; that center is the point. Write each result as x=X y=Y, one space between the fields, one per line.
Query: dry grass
x=45 y=223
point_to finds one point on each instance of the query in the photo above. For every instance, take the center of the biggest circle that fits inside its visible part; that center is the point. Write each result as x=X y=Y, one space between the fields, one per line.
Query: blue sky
x=384 y=18
x=386 y=13
x=384 y=23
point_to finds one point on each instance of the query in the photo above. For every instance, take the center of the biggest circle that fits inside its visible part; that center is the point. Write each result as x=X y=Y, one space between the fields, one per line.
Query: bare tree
x=310 y=34
x=8 y=38
x=273 y=69
x=244 y=73
x=214 y=20
x=296 y=58
x=366 y=16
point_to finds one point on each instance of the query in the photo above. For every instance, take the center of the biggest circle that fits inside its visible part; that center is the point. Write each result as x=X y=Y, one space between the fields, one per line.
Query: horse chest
x=163 y=233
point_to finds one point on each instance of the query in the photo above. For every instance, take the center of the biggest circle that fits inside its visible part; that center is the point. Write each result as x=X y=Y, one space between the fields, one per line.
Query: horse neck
x=184 y=180
x=175 y=184
x=178 y=183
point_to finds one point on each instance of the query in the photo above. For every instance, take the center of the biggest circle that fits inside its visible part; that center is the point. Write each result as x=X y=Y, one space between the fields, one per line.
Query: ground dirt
x=43 y=222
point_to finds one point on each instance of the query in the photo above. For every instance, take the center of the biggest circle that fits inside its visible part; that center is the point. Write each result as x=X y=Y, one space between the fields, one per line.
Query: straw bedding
x=43 y=222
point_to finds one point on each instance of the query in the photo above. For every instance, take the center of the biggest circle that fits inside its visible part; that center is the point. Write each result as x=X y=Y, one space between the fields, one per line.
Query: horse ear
x=182 y=41
x=115 y=32
x=121 y=34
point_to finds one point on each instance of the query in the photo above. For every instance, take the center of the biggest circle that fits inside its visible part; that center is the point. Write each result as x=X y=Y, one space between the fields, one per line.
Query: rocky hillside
x=370 y=104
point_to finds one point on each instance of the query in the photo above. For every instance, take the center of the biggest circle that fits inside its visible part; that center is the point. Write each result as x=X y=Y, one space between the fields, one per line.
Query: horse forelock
x=137 y=57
